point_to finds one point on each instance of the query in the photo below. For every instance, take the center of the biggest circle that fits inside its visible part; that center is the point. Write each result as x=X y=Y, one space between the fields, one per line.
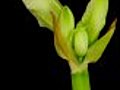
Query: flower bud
x=80 y=41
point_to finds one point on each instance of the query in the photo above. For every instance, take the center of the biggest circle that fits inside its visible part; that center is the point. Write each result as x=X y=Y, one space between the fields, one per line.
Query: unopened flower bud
x=80 y=41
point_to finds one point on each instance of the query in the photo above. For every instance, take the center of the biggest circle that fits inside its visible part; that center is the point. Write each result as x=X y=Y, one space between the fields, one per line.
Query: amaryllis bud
x=80 y=41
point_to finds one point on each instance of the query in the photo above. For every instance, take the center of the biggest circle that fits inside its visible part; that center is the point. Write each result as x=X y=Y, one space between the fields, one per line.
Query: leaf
x=94 y=18
x=42 y=9
x=97 y=49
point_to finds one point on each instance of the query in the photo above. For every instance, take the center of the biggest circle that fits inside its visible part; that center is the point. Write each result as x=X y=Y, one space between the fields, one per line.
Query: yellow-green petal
x=97 y=49
x=42 y=9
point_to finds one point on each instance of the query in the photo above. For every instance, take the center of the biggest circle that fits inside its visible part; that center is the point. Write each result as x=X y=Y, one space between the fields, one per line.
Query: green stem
x=80 y=81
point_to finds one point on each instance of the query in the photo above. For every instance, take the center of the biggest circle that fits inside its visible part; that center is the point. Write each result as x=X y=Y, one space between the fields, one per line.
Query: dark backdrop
x=33 y=61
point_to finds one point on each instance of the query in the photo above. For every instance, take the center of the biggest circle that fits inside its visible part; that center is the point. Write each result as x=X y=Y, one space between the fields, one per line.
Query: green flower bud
x=80 y=42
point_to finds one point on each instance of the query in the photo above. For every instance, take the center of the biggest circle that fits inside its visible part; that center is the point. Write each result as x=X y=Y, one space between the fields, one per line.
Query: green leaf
x=94 y=18
x=97 y=49
x=42 y=9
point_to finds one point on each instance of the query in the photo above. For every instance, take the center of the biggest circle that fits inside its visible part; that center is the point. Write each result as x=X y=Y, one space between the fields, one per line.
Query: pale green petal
x=94 y=18
x=42 y=9
x=97 y=49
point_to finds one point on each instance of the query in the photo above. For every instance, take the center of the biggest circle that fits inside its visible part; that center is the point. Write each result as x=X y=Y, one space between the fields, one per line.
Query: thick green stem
x=80 y=81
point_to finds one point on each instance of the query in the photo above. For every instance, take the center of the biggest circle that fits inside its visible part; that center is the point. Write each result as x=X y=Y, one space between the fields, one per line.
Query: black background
x=31 y=58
